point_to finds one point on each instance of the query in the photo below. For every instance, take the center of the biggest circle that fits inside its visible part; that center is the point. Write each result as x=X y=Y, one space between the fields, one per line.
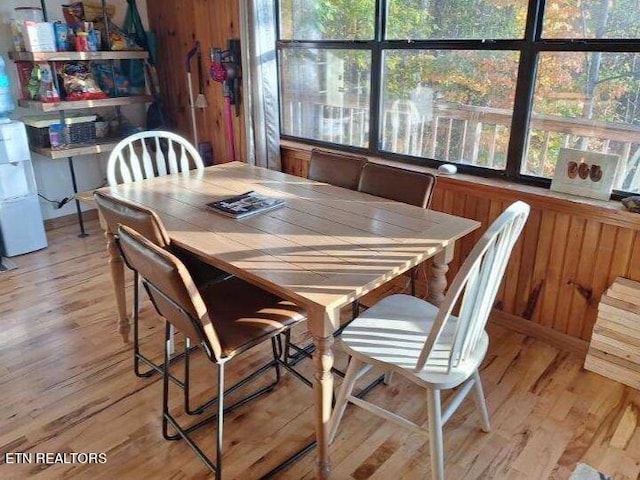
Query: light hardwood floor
x=66 y=385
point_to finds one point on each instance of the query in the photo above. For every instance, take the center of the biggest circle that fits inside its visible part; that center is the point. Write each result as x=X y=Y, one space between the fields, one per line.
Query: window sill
x=610 y=211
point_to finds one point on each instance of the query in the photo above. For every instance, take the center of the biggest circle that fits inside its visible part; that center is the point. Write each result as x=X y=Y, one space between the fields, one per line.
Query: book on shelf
x=248 y=203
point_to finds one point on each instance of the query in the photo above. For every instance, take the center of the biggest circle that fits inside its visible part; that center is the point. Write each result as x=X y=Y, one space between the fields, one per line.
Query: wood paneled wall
x=177 y=25
x=568 y=255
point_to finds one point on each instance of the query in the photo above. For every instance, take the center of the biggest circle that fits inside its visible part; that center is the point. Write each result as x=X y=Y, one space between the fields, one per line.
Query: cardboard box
x=38 y=37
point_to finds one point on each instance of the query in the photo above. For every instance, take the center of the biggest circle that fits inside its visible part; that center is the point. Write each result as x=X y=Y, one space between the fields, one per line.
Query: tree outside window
x=452 y=78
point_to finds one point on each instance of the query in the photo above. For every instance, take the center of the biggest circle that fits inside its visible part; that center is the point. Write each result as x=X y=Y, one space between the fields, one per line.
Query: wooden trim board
x=65 y=220
x=552 y=337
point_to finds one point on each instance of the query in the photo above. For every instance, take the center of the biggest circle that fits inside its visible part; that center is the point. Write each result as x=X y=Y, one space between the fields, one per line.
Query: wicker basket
x=80 y=129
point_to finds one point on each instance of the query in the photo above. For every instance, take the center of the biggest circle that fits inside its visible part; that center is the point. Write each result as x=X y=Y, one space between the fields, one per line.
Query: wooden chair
x=339 y=169
x=115 y=212
x=430 y=346
x=226 y=319
x=401 y=185
x=151 y=154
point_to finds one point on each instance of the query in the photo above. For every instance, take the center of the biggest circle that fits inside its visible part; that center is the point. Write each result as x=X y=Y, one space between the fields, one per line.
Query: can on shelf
x=82 y=42
x=61 y=31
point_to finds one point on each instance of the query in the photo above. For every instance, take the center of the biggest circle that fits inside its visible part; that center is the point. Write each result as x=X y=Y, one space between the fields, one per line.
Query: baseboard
x=548 y=335
x=66 y=220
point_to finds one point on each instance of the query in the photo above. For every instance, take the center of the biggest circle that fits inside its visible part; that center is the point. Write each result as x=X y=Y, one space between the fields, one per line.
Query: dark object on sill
x=632 y=203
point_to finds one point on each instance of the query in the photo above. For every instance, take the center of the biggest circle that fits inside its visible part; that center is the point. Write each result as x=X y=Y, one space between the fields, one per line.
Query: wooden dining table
x=327 y=247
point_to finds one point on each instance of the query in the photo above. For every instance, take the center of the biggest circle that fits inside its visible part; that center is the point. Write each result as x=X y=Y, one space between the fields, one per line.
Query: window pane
x=586 y=101
x=325 y=95
x=455 y=19
x=454 y=106
x=327 y=19
x=591 y=19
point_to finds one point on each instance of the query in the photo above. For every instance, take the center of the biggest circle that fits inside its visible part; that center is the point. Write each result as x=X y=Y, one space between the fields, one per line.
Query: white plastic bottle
x=7 y=104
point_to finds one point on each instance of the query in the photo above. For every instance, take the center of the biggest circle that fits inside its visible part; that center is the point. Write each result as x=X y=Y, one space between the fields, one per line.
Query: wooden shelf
x=71 y=56
x=64 y=105
x=102 y=145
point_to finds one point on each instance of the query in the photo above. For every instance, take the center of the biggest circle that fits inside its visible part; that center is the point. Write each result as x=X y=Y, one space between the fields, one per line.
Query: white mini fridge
x=21 y=225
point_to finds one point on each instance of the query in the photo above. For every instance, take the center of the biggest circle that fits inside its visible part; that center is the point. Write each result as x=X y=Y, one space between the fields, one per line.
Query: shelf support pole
x=43 y=5
x=75 y=197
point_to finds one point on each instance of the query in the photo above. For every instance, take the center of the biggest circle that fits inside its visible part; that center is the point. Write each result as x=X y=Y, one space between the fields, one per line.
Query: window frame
x=529 y=49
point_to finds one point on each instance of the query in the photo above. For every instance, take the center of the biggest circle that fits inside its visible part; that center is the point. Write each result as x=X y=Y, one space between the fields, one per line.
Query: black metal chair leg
x=137 y=356
x=183 y=433
x=276 y=355
x=220 y=421
x=165 y=385
x=186 y=384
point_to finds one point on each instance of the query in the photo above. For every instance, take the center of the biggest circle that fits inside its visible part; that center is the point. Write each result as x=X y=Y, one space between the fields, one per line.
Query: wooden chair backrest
x=402 y=185
x=151 y=154
x=339 y=169
x=477 y=281
x=171 y=289
x=116 y=211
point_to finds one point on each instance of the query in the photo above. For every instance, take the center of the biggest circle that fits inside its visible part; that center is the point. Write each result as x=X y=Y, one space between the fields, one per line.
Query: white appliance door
x=13 y=180
x=14 y=146
x=21 y=226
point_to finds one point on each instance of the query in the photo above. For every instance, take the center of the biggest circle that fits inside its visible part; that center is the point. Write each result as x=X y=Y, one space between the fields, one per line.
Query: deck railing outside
x=469 y=135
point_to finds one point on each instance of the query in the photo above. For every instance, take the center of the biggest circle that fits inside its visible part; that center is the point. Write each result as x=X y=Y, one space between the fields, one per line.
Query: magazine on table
x=248 y=203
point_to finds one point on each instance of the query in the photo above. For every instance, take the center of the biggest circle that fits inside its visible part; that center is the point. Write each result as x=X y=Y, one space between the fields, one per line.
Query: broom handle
x=230 y=137
x=192 y=107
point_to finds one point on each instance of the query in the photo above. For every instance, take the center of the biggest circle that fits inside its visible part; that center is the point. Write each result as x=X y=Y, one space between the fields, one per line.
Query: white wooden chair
x=151 y=154
x=430 y=346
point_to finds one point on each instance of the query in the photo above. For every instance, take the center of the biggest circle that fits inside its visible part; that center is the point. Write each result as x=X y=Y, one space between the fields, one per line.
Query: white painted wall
x=52 y=176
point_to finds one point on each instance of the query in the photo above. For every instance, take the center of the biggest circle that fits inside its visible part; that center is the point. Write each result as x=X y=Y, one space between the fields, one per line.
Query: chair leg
x=172 y=341
x=355 y=309
x=276 y=348
x=184 y=432
x=136 y=329
x=481 y=404
x=186 y=384
x=165 y=385
x=345 y=391
x=138 y=357
x=412 y=274
x=436 y=447
x=220 y=421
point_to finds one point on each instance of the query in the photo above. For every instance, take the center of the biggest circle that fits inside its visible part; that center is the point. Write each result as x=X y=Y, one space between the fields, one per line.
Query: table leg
x=439 y=269
x=117 y=277
x=322 y=331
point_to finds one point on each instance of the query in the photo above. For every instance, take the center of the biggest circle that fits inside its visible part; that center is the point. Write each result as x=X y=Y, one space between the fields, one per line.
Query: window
x=454 y=116
x=325 y=95
x=497 y=88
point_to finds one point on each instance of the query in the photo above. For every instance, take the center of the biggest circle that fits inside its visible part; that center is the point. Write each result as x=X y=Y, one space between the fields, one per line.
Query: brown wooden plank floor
x=66 y=385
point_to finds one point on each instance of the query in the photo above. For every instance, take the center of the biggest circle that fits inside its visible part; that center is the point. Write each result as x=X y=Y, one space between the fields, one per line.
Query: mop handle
x=192 y=53
x=230 y=137
x=192 y=108
x=194 y=125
